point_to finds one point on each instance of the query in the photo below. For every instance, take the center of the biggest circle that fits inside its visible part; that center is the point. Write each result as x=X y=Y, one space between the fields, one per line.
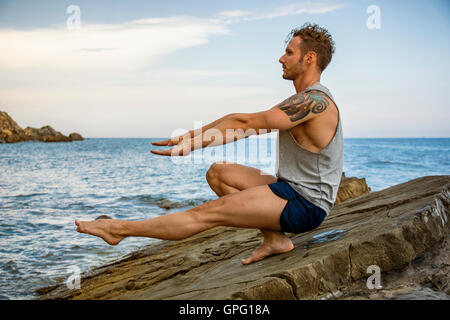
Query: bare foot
x=275 y=244
x=106 y=229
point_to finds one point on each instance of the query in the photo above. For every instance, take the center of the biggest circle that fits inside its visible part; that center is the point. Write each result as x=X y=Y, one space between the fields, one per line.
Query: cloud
x=309 y=7
x=233 y=14
x=127 y=45
x=95 y=46
x=184 y=73
x=98 y=49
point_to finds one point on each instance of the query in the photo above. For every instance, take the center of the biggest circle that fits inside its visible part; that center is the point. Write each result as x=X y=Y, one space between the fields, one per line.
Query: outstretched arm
x=298 y=108
x=226 y=129
x=191 y=134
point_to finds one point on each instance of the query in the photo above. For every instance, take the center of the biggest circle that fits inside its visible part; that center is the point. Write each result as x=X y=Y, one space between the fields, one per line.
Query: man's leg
x=256 y=207
x=227 y=178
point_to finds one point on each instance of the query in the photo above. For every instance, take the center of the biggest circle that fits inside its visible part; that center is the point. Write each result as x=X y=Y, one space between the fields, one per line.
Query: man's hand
x=173 y=141
x=182 y=143
x=182 y=149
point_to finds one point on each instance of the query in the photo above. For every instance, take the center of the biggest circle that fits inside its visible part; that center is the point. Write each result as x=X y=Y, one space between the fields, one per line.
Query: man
x=310 y=152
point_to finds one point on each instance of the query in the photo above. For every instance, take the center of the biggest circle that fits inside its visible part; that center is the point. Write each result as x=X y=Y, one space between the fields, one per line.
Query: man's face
x=292 y=66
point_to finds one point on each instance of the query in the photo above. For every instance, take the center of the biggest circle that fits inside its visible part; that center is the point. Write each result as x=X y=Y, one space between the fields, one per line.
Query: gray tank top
x=315 y=176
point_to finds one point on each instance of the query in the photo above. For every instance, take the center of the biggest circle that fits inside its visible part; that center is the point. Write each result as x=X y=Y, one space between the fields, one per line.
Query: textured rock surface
x=350 y=188
x=46 y=134
x=426 y=277
x=389 y=228
x=75 y=136
x=11 y=132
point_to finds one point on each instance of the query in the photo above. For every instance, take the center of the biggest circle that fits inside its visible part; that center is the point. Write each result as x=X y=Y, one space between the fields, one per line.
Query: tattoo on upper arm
x=300 y=105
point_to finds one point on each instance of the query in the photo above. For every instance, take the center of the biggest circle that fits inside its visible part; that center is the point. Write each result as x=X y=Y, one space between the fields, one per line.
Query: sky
x=148 y=68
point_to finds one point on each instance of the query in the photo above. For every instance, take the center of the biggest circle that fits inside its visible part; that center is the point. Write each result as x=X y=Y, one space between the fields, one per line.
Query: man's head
x=310 y=48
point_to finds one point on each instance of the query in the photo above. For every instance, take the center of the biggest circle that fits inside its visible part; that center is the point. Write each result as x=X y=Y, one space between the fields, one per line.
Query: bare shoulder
x=297 y=110
x=317 y=132
x=303 y=104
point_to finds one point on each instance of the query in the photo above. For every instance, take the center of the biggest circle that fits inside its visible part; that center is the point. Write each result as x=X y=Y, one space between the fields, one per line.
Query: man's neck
x=306 y=81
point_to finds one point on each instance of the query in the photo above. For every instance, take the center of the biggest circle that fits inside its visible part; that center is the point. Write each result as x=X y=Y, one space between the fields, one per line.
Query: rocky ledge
x=396 y=229
x=11 y=132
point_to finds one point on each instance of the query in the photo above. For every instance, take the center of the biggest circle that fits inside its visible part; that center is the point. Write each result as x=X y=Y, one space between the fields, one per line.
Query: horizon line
x=252 y=136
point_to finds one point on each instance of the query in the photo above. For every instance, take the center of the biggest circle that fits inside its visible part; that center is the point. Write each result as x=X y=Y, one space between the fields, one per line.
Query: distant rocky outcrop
x=75 y=136
x=46 y=134
x=11 y=132
x=402 y=229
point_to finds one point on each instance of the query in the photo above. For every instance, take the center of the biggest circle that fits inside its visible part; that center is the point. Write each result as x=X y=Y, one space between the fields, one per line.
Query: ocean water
x=44 y=187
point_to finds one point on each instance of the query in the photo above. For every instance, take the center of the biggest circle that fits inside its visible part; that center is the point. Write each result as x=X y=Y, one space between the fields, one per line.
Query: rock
x=427 y=277
x=351 y=188
x=130 y=285
x=11 y=132
x=42 y=132
x=166 y=204
x=103 y=216
x=390 y=228
x=46 y=134
x=75 y=136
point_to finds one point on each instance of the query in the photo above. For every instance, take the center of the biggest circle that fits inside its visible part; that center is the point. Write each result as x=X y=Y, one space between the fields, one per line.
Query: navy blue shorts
x=299 y=215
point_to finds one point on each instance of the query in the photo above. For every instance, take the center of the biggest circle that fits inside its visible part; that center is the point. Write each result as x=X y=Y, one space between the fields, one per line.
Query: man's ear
x=310 y=57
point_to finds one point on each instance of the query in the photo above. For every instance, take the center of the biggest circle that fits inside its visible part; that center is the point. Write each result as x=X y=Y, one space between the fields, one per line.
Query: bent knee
x=215 y=171
x=211 y=173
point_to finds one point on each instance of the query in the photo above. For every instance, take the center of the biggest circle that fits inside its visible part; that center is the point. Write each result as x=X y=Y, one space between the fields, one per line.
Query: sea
x=44 y=187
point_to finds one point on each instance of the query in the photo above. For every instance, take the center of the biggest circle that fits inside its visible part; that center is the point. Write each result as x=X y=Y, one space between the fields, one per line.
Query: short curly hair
x=317 y=39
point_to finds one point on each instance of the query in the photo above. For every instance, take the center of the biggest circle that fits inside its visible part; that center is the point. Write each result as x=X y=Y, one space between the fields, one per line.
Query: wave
x=403 y=163
x=26 y=196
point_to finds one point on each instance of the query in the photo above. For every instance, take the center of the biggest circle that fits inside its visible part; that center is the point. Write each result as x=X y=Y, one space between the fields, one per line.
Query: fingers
x=160 y=152
x=161 y=143
x=171 y=152
x=168 y=142
x=167 y=152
